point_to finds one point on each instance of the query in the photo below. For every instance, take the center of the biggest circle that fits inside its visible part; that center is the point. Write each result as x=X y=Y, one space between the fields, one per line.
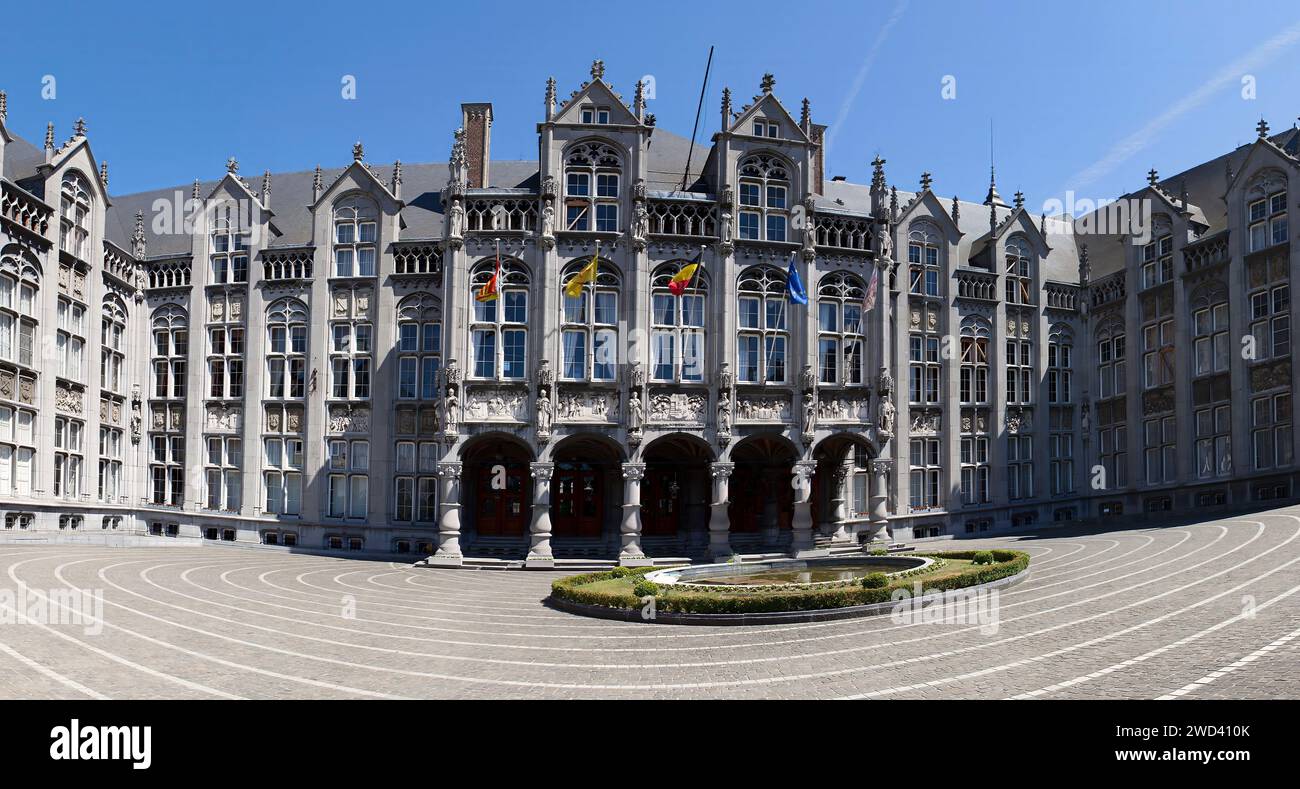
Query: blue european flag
x=794 y=289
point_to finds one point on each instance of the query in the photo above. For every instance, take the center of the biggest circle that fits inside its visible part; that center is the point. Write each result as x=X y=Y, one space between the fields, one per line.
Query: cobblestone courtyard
x=1137 y=613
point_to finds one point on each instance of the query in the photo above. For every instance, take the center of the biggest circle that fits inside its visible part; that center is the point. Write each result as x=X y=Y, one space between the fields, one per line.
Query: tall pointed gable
x=767 y=106
x=75 y=153
x=928 y=204
x=1264 y=149
x=359 y=175
x=598 y=94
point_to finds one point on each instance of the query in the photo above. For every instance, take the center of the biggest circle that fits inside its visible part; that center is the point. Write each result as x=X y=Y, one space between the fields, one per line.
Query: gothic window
x=351 y=344
x=841 y=333
x=1270 y=307
x=974 y=460
x=1271 y=431
x=229 y=247
x=349 y=480
x=1160 y=436
x=1158 y=340
x=1060 y=352
x=68 y=456
x=70 y=339
x=74 y=216
x=1266 y=211
x=1209 y=329
x=923 y=473
x=764 y=198
x=1158 y=260
x=498 y=329
x=762 y=328
x=110 y=463
x=765 y=128
x=226 y=349
x=112 y=358
x=677 y=334
x=286 y=350
x=1019 y=363
x=18 y=286
x=356 y=237
x=974 y=360
x=1020 y=466
x=591 y=187
x=1019 y=279
x=282 y=459
x=923 y=259
x=924 y=354
x=1060 y=449
x=167 y=426
x=1111 y=366
x=1213 y=437
x=417 y=484
x=1112 y=449
x=419 y=347
x=223 y=466
x=589 y=325
x=17 y=448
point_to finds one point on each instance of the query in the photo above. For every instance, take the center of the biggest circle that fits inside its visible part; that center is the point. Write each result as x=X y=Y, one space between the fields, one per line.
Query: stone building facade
x=313 y=367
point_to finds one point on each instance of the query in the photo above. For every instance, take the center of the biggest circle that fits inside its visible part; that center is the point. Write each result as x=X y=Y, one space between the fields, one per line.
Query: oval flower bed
x=626 y=588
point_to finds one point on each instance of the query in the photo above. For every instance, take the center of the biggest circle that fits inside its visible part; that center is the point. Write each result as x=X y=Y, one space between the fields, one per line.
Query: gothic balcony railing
x=1109 y=289
x=417 y=257
x=287 y=265
x=1061 y=296
x=1208 y=251
x=682 y=218
x=978 y=285
x=514 y=212
x=24 y=209
x=118 y=264
x=172 y=273
x=843 y=232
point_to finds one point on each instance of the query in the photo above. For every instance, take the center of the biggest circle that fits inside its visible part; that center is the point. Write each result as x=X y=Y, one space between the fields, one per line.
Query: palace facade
x=302 y=360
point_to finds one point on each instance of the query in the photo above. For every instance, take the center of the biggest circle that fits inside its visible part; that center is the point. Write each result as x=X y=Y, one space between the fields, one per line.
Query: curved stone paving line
x=207 y=623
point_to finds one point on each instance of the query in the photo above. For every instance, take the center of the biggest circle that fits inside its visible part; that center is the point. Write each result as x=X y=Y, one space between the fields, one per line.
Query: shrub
x=878 y=552
x=875 y=581
x=620 y=572
x=982 y=557
x=644 y=588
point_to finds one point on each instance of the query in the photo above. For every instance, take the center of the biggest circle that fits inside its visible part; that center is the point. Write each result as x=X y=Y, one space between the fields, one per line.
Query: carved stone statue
x=543 y=414
x=884 y=244
x=724 y=414
x=449 y=412
x=635 y=412
x=808 y=378
x=456 y=219
x=725 y=230
x=640 y=223
x=548 y=222
x=1085 y=415
x=885 y=424
x=809 y=416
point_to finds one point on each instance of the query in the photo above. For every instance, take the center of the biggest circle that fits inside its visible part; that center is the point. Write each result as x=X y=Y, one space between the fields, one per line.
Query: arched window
x=1266 y=213
x=841 y=334
x=589 y=325
x=70 y=338
x=1268 y=279
x=111 y=357
x=167 y=408
x=286 y=350
x=974 y=360
x=1209 y=328
x=498 y=332
x=225 y=346
x=591 y=187
x=352 y=339
x=1019 y=363
x=356 y=236
x=1158 y=256
x=19 y=281
x=1157 y=313
x=677 y=331
x=764 y=198
x=18 y=286
x=229 y=246
x=419 y=345
x=761 y=325
x=1020 y=287
x=74 y=216
x=1112 y=372
x=1060 y=440
x=923 y=258
x=1060 y=350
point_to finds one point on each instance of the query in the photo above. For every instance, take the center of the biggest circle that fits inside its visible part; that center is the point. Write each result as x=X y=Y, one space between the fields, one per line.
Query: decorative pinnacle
x=597 y=69
x=103 y=175
x=49 y=136
x=397 y=173
x=358 y=151
x=4 y=106
x=956 y=210
x=805 y=117
x=926 y=180
x=550 y=91
x=1262 y=128
x=316 y=182
x=137 y=237
x=877 y=173
x=768 y=82
x=232 y=165
x=194 y=191
x=1019 y=199
x=1153 y=177
x=266 y=186
x=726 y=103
x=79 y=128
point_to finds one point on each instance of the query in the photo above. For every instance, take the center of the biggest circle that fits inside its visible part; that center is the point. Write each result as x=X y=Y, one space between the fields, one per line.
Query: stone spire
x=638 y=103
x=550 y=98
x=598 y=69
x=358 y=151
x=79 y=128
x=1182 y=192
x=266 y=188
x=194 y=191
x=137 y=237
x=993 y=199
x=956 y=211
x=1042 y=224
x=726 y=108
x=893 y=203
x=232 y=166
x=316 y=185
x=1085 y=269
x=768 y=82
x=397 y=179
x=49 y=136
x=805 y=115
x=879 y=191
x=103 y=175
x=1228 y=171
x=4 y=106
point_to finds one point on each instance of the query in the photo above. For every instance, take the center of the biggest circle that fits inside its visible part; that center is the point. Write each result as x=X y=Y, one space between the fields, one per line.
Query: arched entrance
x=841 y=484
x=500 y=490
x=675 y=493
x=585 y=487
x=761 y=496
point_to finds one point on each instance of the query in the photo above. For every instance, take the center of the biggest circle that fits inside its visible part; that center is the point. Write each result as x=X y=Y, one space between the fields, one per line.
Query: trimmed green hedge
x=1006 y=564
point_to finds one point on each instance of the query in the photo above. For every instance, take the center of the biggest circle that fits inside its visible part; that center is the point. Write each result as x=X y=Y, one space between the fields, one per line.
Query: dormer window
x=355 y=238
x=74 y=216
x=1158 y=262
x=1268 y=225
x=591 y=188
x=229 y=250
x=764 y=198
x=592 y=114
x=762 y=128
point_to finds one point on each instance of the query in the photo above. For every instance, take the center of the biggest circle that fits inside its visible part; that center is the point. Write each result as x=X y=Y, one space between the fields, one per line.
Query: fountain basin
x=795 y=573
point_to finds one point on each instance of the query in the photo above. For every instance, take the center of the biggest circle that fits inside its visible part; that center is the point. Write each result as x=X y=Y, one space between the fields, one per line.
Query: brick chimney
x=819 y=158
x=476 y=119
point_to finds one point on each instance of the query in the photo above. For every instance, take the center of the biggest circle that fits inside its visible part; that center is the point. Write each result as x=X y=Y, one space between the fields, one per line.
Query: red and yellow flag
x=492 y=288
x=682 y=279
x=573 y=288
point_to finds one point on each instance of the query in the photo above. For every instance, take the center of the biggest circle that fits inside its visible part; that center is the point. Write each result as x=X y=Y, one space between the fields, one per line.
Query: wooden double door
x=503 y=499
x=578 y=499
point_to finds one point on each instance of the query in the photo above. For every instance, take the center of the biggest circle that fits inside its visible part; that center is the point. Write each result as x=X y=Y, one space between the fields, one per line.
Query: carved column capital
x=633 y=472
x=722 y=470
x=541 y=471
x=450 y=469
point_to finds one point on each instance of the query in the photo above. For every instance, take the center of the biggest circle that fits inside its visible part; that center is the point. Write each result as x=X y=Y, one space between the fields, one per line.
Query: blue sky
x=1084 y=95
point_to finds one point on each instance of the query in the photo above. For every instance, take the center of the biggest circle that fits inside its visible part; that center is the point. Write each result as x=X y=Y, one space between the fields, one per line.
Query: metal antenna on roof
x=707 y=68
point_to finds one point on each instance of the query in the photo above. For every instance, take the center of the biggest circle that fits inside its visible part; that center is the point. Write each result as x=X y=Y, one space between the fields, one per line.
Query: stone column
x=448 y=554
x=539 y=529
x=802 y=544
x=838 y=518
x=719 y=526
x=631 y=555
x=880 y=471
